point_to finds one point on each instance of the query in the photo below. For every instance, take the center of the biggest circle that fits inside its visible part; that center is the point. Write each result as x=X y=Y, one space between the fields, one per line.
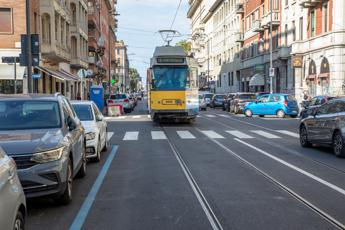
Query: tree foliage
x=186 y=45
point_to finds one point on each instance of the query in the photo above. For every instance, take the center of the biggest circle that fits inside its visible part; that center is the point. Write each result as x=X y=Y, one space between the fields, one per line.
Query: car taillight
x=285 y=103
x=110 y=101
x=126 y=100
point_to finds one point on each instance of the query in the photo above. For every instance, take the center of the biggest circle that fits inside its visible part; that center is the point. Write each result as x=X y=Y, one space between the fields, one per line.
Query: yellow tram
x=172 y=85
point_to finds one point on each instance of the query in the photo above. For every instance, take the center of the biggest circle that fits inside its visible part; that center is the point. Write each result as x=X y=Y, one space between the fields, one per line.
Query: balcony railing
x=266 y=20
x=239 y=7
x=239 y=37
x=256 y=26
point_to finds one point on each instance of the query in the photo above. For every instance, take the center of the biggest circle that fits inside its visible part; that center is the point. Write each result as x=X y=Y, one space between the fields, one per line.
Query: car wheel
x=19 y=223
x=105 y=148
x=303 y=137
x=248 y=113
x=98 y=156
x=261 y=115
x=280 y=113
x=66 y=197
x=293 y=116
x=82 y=171
x=338 y=145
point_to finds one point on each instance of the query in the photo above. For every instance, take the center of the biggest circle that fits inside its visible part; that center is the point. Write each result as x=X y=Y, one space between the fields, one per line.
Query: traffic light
x=35 y=50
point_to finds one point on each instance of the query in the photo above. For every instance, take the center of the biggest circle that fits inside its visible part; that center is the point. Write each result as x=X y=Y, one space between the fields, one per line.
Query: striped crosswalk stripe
x=158 y=135
x=239 y=134
x=212 y=134
x=265 y=134
x=185 y=135
x=289 y=133
x=223 y=115
x=109 y=135
x=210 y=115
x=131 y=136
x=136 y=117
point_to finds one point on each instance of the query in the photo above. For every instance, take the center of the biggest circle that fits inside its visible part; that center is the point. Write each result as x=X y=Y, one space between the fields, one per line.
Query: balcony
x=239 y=7
x=79 y=63
x=284 y=53
x=55 y=52
x=239 y=37
x=266 y=20
x=256 y=26
x=310 y=3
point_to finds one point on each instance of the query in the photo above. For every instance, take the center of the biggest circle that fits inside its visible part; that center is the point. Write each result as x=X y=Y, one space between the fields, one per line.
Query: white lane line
x=122 y=117
x=239 y=134
x=198 y=116
x=110 y=135
x=185 y=135
x=149 y=116
x=292 y=134
x=131 y=136
x=265 y=134
x=312 y=176
x=136 y=117
x=213 y=135
x=158 y=135
x=210 y=115
x=223 y=115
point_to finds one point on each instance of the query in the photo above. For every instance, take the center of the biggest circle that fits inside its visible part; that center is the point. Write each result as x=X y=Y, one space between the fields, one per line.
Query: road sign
x=10 y=60
x=36 y=75
x=271 y=72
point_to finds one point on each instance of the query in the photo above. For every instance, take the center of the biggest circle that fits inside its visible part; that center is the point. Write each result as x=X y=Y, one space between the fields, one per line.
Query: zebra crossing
x=212 y=134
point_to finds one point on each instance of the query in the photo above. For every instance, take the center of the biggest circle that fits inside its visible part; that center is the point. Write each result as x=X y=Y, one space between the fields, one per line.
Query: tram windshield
x=170 y=77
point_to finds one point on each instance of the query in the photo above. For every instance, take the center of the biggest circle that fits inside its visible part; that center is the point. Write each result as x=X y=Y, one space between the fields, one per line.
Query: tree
x=134 y=78
x=186 y=45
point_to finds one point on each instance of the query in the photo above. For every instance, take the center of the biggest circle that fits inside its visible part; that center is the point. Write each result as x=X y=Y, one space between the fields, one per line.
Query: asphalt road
x=222 y=172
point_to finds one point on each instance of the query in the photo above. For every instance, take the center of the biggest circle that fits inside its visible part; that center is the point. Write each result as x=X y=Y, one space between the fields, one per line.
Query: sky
x=138 y=26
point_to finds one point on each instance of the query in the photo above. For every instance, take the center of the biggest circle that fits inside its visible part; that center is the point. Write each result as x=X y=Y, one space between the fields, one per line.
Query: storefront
x=7 y=78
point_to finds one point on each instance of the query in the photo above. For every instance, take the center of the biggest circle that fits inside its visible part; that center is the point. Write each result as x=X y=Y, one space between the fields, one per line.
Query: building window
x=301 y=28
x=293 y=31
x=229 y=79
x=325 y=17
x=286 y=35
x=7 y=86
x=312 y=23
x=286 y=2
x=6 y=25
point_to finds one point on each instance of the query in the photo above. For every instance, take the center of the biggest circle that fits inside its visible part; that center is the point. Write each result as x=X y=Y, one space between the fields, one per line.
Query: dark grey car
x=326 y=126
x=47 y=141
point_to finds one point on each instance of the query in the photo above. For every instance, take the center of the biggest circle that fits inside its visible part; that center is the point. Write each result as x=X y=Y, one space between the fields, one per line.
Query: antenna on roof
x=169 y=35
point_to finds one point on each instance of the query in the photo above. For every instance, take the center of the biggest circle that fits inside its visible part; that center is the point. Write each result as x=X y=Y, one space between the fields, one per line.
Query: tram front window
x=170 y=78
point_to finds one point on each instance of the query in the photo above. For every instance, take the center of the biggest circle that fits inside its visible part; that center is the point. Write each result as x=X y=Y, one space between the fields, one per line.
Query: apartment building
x=13 y=24
x=122 y=68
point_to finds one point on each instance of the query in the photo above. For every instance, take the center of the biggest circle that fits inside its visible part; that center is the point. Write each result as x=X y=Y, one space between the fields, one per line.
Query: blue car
x=273 y=104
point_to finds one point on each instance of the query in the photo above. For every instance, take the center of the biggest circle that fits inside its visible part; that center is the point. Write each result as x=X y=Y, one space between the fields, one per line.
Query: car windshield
x=208 y=95
x=170 y=78
x=200 y=97
x=219 y=97
x=20 y=115
x=246 y=96
x=118 y=96
x=84 y=112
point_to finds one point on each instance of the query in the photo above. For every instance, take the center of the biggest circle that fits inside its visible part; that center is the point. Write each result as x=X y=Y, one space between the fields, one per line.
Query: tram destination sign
x=171 y=60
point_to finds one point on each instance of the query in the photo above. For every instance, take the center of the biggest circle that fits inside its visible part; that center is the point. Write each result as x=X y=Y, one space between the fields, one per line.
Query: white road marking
x=265 y=134
x=210 y=115
x=223 y=115
x=198 y=116
x=239 y=134
x=122 y=117
x=131 y=136
x=158 y=135
x=110 y=135
x=149 y=116
x=185 y=135
x=136 y=117
x=213 y=135
x=312 y=176
x=292 y=134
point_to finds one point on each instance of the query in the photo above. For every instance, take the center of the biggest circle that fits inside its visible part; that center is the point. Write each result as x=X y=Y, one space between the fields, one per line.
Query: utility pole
x=29 y=57
x=271 y=46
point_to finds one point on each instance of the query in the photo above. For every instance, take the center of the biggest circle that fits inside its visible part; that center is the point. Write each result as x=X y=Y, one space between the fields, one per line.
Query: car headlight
x=90 y=136
x=47 y=156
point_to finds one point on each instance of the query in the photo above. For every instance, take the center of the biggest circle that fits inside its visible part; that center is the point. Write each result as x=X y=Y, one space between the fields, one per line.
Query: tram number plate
x=169 y=102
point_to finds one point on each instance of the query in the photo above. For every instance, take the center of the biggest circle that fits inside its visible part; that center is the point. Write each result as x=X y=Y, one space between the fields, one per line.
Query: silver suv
x=46 y=139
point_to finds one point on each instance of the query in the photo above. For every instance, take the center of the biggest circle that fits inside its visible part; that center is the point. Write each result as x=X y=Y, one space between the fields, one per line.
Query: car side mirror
x=72 y=125
x=99 y=118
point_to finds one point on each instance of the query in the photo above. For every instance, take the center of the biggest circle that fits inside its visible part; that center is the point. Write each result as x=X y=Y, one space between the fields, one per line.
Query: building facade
x=122 y=67
x=231 y=41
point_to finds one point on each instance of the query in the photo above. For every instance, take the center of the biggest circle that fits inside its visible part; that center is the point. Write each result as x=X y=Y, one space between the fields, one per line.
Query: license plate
x=169 y=102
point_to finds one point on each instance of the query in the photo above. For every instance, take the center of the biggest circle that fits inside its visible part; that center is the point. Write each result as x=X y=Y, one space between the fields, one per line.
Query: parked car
x=208 y=98
x=13 y=204
x=227 y=102
x=47 y=141
x=122 y=99
x=316 y=102
x=273 y=104
x=95 y=128
x=202 y=103
x=240 y=100
x=217 y=100
x=325 y=127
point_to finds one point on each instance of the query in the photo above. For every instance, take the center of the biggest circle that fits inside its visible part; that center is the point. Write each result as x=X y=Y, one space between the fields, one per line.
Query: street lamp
x=271 y=49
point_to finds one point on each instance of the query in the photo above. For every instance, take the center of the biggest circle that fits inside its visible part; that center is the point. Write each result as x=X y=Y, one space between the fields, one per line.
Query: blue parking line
x=85 y=208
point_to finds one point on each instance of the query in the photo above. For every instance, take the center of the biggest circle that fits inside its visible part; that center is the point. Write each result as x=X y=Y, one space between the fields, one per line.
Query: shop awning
x=257 y=80
x=311 y=77
x=324 y=75
x=7 y=72
x=61 y=75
